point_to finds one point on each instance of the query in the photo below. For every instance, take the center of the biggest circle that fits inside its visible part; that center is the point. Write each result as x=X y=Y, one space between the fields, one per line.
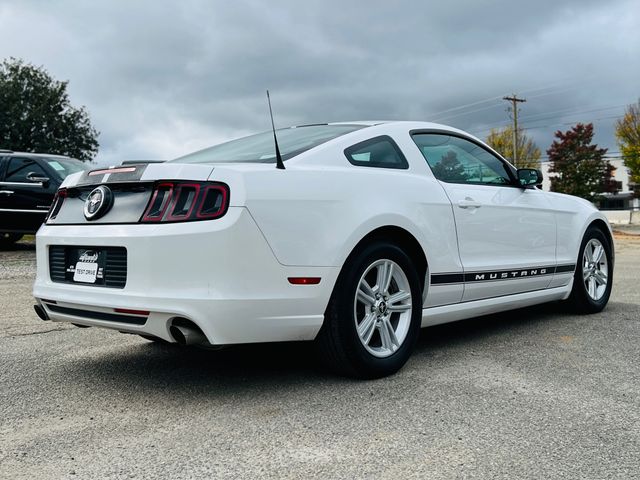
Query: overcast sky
x=161 y=79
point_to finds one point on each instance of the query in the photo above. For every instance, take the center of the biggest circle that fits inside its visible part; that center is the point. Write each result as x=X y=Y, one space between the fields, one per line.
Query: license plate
x=92 y=265
x=85 y=272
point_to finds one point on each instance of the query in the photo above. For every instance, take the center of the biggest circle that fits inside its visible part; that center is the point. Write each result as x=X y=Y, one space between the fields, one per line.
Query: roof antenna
x=279 y=162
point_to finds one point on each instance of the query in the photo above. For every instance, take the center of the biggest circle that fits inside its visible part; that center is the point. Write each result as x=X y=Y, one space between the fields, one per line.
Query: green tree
x=628 y=135
x=501 y=140
x=36 y=115
x=580 y=168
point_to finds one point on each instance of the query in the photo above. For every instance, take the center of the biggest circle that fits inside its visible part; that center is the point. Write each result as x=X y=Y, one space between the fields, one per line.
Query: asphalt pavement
x=536 y=393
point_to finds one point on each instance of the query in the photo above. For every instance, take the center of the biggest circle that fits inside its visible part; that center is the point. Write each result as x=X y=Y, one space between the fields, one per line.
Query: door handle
x=469 y=203
x=6 y=192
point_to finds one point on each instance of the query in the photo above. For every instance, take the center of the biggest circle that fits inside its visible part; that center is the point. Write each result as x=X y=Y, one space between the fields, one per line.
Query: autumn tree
x=36 y=115
x=628 y=136
x=501 y=140
x=609 y=183
x=578 y=167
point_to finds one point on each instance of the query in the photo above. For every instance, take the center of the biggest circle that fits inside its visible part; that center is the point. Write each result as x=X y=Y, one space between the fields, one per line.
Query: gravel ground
x=535 y=393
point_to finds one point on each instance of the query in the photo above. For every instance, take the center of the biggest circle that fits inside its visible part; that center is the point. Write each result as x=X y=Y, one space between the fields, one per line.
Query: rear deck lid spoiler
x=144 y=172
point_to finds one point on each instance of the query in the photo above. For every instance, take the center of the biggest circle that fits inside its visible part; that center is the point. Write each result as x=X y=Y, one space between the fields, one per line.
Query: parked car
x=28 y=183
x=370 y=231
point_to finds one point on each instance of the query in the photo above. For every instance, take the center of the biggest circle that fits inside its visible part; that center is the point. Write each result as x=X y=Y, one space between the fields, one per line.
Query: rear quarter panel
x=312 y=216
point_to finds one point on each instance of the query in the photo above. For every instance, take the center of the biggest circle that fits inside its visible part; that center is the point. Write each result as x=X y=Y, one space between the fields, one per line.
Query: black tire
x=580 y=301
x=338 y=342
x=9 y=239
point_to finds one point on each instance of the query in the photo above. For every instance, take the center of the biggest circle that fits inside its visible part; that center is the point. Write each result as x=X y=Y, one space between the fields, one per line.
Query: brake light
x=112 y=170
x=56 y=205
x=186 y=201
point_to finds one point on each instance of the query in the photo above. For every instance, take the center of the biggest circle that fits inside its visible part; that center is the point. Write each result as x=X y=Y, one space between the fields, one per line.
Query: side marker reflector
x=304 y=280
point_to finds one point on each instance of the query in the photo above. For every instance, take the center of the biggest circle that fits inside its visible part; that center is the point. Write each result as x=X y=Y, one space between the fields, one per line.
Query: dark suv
x=28 y=182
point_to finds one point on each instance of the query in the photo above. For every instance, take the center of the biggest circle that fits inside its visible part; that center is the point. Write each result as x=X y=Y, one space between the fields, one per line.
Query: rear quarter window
x=381 y=152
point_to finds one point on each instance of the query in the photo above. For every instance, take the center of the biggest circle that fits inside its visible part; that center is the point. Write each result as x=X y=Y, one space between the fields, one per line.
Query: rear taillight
x=56 y=205
x=186 y=201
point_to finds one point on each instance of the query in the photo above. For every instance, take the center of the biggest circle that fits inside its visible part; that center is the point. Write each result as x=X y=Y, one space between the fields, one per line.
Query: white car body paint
x=229 y=275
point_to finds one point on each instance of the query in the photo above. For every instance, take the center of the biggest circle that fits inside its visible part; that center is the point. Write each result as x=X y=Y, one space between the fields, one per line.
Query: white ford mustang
x=371 y=231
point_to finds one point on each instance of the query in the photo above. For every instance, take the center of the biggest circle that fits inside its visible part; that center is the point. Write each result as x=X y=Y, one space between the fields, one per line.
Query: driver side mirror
x=35 y=178
x=529 y=176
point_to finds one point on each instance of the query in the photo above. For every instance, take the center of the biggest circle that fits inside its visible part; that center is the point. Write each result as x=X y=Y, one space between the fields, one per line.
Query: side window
x=19 y=168
x=379 y=152
x=456 y=160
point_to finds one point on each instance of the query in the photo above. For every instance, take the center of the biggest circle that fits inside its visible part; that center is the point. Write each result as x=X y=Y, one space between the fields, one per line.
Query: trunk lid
x=131 y=187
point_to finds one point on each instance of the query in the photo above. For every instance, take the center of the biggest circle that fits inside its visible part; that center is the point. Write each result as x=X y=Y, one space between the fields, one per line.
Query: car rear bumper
x=219 y=274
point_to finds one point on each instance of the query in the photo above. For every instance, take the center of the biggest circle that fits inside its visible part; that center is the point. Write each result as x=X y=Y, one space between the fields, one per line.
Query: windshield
x=260 y=148
x=65 y=166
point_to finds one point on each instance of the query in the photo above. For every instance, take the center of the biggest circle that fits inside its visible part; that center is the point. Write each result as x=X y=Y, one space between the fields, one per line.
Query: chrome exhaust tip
x=187 y=335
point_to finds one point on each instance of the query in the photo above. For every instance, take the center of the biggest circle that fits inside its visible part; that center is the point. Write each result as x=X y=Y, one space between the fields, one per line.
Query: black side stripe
x=443 y=278
x=498 y=275
x=566 y=268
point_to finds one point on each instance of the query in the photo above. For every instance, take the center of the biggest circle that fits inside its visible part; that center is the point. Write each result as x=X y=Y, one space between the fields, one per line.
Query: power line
x=480 y=102
x=448 y=117
x=490 y=99
x=537 y=127
x=473 y=104
x=569 y=112
x=563 y=84
x=553 y=92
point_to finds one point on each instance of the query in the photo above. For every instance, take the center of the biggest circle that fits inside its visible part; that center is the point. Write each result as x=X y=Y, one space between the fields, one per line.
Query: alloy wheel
x=595 y=269
x=382 y=308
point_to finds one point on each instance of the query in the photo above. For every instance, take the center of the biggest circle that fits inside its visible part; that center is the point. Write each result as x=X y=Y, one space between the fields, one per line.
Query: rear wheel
x=8 y=239
x=373 y=318
x=593 y=278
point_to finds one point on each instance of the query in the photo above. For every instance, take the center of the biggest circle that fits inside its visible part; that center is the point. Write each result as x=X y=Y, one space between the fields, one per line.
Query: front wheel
x=373 y=318
x=593 y=278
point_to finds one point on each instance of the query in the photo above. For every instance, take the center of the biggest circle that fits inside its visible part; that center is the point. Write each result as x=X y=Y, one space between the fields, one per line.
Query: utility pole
x=514 y=108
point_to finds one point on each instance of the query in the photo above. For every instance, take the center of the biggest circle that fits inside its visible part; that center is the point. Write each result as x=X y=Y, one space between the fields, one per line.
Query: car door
x=506 y=233
x=5 y=194
x=27 y=191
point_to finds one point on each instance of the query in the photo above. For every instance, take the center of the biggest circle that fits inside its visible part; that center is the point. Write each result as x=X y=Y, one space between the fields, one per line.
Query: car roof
x=412 y=125
x=372 y=123
x=10 y=153
x=396 y=124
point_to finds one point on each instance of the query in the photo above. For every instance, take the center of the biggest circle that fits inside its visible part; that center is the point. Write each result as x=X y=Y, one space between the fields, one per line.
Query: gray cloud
x=162 y=79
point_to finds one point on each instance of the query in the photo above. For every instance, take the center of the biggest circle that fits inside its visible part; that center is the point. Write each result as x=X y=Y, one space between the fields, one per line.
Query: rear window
x=260 y=148
x=65 y=166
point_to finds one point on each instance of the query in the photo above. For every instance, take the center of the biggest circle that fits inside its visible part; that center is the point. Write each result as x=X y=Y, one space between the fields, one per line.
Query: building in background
x=623 y=200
